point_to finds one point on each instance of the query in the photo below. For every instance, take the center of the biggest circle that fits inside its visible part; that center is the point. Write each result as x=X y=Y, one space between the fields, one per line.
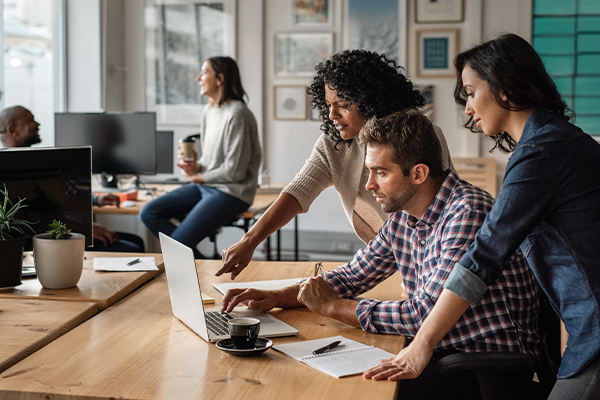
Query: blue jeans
x=207 y=210
x=127 y=243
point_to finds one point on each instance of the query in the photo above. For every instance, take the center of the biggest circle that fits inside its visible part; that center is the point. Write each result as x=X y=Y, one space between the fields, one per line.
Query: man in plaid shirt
x=435 y=218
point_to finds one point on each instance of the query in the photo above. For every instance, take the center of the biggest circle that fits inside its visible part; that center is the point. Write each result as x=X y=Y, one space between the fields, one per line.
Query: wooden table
x=102 y=288
x=28 y=325
x=138 y=350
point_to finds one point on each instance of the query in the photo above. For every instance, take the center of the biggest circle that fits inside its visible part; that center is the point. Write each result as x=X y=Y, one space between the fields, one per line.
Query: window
x=30 y=73
x=566 y=34
x=180 y=36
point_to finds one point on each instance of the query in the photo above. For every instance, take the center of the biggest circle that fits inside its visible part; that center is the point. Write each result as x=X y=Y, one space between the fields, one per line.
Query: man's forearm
x=344 y=310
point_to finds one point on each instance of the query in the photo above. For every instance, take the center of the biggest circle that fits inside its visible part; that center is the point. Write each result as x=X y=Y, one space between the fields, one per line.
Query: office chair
x=497 y=372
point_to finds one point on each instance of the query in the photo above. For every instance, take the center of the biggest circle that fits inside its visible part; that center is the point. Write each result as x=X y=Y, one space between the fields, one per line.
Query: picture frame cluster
x=297 y=52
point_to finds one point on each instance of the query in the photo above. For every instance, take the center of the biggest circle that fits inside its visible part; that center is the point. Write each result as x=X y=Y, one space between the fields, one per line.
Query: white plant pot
x=58 y=263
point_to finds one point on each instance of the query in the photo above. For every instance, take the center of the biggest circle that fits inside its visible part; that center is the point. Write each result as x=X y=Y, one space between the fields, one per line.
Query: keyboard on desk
x=216 y=321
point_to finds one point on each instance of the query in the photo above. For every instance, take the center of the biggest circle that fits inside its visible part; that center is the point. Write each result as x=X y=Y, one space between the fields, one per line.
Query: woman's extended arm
x=237 y=256
x=412 y=360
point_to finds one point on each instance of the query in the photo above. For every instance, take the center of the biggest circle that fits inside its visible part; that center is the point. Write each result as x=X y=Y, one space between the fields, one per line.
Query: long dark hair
x=509 y=66
x=230 y=73
x=372 y=81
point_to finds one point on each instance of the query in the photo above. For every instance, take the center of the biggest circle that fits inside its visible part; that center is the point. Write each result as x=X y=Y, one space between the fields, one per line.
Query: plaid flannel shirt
x=424 y=251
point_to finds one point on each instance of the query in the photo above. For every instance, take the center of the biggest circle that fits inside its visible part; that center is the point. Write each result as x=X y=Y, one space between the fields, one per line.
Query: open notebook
x=349 y=358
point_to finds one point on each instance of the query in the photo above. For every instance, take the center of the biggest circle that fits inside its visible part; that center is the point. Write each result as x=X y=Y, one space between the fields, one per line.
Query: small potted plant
x=58 y=256
x=12 y=240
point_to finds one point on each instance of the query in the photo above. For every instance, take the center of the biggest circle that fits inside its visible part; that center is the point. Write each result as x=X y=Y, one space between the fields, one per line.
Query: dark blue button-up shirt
x=549 y=205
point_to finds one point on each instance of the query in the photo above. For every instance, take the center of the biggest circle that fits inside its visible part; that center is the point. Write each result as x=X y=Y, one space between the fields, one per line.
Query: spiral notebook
x=349 y=358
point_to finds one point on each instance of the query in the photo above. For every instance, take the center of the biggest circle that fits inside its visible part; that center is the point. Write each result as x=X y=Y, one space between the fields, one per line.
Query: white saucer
x=262 y=344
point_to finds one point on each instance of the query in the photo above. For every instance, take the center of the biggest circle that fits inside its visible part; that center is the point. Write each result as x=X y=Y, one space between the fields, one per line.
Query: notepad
x=125 y=264
x=262 y=285
x=352 y=358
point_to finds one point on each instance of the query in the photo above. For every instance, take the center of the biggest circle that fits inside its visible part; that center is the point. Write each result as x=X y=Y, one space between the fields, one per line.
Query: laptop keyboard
x=217 y=322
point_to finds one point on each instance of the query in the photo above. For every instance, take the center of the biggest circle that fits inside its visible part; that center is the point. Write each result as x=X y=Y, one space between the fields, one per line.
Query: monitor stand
x=109 y=181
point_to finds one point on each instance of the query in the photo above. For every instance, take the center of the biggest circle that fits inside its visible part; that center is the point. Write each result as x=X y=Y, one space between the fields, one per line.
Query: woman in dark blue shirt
x=549 y=206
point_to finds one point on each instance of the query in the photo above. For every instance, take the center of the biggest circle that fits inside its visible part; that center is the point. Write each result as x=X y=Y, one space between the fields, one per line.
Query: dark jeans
x=585 y=385
x=127 y=243
x=207 y=210
x=456 y=386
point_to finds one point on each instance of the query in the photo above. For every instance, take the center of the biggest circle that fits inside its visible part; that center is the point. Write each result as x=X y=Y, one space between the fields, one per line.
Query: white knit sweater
x=345 y=169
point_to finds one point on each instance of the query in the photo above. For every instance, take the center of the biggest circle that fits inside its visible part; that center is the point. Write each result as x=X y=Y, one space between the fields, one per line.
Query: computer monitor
x=164 y=152
x=56 y=183
x=122 y=143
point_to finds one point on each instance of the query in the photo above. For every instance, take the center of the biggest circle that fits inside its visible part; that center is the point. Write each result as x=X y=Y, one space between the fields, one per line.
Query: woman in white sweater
x=348 y=89
x=223 y=181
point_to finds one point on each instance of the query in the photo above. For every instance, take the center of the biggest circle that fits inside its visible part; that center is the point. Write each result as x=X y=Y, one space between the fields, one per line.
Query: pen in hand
x=327 y=348
x=319 y=271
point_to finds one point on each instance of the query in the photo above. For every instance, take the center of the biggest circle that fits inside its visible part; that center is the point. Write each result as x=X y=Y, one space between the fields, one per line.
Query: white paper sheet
x=262 y=285
x=119 y=264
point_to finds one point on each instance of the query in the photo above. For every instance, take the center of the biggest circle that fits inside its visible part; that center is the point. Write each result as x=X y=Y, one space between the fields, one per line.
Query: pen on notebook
x=133 y=262
x=327 y=348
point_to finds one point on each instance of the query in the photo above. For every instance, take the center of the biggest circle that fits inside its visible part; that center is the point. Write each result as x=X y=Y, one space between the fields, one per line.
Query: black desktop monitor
x=56 y=183
x=122 y=143
x=164 y=152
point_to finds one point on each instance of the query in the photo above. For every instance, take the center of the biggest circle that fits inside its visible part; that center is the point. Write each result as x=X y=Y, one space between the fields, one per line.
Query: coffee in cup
x=244 y=332
x=188 y=146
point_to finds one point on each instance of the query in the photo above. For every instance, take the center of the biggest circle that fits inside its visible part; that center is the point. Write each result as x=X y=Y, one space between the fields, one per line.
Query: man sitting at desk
x=435 y=218
x=18 y=128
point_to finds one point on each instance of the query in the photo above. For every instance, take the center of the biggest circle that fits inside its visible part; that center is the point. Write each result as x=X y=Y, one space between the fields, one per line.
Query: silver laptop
x=186 y=298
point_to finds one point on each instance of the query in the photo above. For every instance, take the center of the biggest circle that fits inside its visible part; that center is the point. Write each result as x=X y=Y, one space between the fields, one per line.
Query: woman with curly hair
x=348 y=89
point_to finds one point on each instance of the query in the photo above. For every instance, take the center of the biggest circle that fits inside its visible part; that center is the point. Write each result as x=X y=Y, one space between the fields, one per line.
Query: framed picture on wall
x=289 y=102
x=427 y=92
x=379 y=26
x=311 y=13
x=439 y=11
x=296 y=54
x=435 y=51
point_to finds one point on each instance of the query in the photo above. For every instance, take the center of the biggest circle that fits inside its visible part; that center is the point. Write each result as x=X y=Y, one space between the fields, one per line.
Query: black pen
x=137 y=260
x=328 y=347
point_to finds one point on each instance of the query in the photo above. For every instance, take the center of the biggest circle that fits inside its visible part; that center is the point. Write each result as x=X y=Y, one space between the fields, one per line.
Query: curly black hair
x=371 y=80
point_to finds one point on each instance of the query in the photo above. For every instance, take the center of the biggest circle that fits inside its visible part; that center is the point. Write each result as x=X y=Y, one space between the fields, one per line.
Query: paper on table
x=120 y=264
x=352 y=358
x=262 y=285
x=298 y=350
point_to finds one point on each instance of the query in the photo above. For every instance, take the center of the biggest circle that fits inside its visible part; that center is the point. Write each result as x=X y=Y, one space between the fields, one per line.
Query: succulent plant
x=59 y=230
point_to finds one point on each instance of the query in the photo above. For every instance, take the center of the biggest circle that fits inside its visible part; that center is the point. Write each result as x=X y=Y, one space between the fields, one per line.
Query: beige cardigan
x=344 y=168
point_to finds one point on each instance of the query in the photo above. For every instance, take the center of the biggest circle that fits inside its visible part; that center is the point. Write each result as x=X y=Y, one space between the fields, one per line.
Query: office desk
x=102 y=288
x=262 y=201
x=138 y=350
x=26 y=325
x=260 y=204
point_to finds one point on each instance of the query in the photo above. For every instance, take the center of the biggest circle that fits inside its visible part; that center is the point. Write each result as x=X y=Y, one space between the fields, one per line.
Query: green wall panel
x=554 y=7
x=554 y=26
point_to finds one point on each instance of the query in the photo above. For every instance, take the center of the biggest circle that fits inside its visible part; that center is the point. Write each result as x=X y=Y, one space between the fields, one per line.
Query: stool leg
x=296 y=238
x=279 y=245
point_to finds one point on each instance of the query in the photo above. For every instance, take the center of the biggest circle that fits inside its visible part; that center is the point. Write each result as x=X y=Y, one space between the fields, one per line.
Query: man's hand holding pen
x=317 y=295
